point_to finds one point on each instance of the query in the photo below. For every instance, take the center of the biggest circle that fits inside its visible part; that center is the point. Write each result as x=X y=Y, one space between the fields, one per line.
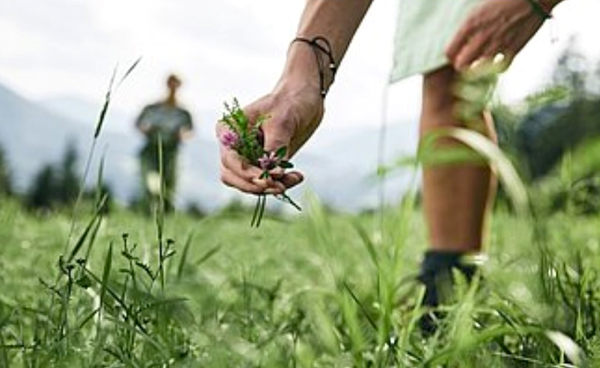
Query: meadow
x=86 y=287
x=316 y=290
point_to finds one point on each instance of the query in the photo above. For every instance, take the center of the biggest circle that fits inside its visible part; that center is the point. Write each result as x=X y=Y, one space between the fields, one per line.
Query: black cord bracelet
x=539 y=10
x=320 y=45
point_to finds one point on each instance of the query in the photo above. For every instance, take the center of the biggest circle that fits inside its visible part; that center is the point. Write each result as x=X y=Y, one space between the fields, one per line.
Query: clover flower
x=229 y=139
x=268 y=161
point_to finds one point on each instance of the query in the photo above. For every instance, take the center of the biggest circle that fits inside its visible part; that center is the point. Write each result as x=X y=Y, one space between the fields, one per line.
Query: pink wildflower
x=229 y=139
x=269 y=161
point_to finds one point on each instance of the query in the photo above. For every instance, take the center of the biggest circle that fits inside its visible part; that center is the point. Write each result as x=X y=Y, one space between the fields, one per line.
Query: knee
x=440 y=105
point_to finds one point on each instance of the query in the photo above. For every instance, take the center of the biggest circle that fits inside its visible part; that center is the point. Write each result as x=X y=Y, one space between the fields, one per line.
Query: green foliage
x=5 y=179
x=69 y=178
x=549 y=133
x=574 y=184
x=555 y=121
x=250 y=143
x=44 y=189
x=56 y=186
x=322 y=291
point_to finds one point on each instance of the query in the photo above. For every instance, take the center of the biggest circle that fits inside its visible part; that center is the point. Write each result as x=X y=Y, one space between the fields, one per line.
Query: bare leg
x=456 y=198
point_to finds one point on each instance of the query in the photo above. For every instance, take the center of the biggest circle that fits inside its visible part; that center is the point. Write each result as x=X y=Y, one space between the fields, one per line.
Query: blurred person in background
x=436 y=38
x=165 y=124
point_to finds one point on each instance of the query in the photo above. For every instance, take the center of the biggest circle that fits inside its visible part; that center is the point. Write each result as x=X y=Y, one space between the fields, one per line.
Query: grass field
x=317 y=290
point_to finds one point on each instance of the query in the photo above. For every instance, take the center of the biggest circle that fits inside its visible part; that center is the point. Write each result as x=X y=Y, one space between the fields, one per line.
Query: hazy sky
x=228 y=48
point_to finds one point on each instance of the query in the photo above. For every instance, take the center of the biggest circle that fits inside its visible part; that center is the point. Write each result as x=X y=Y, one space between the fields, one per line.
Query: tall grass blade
x=129 y=71
x=99 y=181
x=81 y=240
x=184 y=255
x=106 y=276
x=208 y=255
x=160 y=213
x=360 y=305
x=164 y=352
x=4 y=362
x=366 y=240
x=105 y=105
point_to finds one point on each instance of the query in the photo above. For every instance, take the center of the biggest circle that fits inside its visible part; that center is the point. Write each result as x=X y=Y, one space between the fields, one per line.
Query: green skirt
x=424 y=29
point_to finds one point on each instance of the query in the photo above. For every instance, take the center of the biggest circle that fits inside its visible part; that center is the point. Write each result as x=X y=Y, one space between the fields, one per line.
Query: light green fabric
x=424 y=29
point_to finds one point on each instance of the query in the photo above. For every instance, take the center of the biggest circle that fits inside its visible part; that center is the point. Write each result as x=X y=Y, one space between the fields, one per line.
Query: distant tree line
x=55 y=186
x=5 y=181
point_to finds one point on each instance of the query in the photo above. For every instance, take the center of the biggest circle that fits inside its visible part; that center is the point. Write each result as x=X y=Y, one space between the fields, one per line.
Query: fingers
x=244 y=179
x=496 y=26
x=482 y=48
x=291 y=179
x=470 y=52
x=239 y=174
x=460 y=39
x=233 y=180
x=261 y=186
x=237 y=164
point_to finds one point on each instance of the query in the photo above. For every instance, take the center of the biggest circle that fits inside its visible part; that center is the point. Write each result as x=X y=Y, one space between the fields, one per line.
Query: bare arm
x=295 y=106
x=336 y=20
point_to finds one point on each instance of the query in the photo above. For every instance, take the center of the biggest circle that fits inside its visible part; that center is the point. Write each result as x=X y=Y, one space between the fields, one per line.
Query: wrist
x=300 y=68
x=311 y=60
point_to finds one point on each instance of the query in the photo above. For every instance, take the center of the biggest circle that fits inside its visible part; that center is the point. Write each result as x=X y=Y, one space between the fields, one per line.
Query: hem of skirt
x=397 y=74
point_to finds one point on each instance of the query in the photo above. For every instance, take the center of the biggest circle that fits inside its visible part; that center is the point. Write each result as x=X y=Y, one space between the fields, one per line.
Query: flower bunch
x=247 y=139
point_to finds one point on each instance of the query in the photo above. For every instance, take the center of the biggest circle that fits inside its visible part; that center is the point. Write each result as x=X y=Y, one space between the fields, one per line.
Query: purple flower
x=269 y=161
x=229 y=139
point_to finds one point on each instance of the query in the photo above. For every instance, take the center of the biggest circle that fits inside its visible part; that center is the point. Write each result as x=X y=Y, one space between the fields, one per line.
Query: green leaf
x=286 y=164
x=281 y=152
x=287 y=199
x=207 y=255
x=184 y=255
x=106 y=276
x=84 y=282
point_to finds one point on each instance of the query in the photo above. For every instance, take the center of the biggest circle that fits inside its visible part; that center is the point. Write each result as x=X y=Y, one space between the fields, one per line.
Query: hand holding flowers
x=246 y=138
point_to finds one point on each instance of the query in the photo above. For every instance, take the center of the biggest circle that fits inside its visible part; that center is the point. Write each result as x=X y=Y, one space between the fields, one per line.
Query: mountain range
x=339 y=164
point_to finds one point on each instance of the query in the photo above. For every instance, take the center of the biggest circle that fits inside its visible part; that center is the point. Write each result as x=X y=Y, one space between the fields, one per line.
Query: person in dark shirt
x=165 y=125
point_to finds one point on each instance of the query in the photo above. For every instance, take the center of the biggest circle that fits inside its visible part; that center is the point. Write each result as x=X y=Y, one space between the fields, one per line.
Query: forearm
x=337 y=21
